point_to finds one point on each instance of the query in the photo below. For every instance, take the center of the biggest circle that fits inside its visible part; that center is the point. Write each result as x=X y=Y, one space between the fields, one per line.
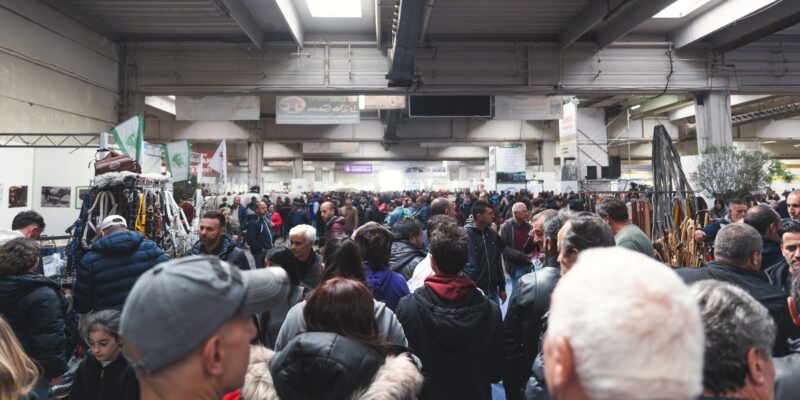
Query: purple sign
x=358 y=168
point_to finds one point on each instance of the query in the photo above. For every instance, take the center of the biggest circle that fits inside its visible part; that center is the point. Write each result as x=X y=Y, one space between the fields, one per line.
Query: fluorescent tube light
x=636 y=107
x=680 y=8
x=334 y=8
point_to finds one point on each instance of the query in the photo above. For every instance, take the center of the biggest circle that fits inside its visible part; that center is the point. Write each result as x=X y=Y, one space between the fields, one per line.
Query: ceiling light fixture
x=680 y=8
x=636 y=107
x=334 y=9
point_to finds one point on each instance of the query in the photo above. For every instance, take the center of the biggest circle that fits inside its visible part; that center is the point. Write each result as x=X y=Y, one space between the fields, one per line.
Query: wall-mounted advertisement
x=317 y=110
x=510 y=164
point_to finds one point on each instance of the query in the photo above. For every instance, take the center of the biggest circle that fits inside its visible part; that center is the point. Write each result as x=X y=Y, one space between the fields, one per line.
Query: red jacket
x=334 y=228
x=277 y=221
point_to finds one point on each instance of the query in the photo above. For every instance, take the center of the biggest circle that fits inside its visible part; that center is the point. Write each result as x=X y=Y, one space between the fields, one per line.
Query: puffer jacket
x=404 y=258
x=35 y=306
x=108 y=271
x=386 y=285
x=323 y=365
x=227 y=251
x=529 y=302
x=484 y=265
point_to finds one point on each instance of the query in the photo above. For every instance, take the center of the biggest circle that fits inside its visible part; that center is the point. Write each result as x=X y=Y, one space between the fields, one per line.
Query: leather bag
x=116 y=162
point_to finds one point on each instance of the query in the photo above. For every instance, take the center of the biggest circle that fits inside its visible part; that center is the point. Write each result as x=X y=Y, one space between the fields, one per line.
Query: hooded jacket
x=333 y=228
x=115 y=381
x=386 y=285
x=524 y=323
x=389 y=329
x=35 y=306
x=404 y=258
x=458 y=335
x=484 y=265
x=227 y=251
x=108 y=271
x=323 y=365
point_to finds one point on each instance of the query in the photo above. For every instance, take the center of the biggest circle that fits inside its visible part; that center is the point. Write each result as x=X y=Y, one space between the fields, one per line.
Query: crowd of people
x=398 y=295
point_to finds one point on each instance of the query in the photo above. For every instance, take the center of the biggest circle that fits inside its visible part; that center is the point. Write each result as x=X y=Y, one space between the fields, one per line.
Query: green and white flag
x=179 y=157
x=129 y=136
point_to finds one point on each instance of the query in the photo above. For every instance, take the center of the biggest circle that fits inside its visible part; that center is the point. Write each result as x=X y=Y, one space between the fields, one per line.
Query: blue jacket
x=108 y=271
x=387 y=286
x=259 y=235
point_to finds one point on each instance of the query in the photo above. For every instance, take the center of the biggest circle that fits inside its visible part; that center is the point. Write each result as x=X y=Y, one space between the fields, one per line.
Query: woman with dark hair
x=340 y=357
x=342 y=259
x=375 y=243
x=271 y=322
x=34 y=307
x=719 y=211
x=104 y=374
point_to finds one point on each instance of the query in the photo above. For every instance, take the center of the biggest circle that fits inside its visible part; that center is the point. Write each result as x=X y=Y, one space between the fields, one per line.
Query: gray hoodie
x=389 y=328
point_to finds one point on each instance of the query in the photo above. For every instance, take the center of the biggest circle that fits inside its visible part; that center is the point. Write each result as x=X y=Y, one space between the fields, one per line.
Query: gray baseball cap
x=175 y=306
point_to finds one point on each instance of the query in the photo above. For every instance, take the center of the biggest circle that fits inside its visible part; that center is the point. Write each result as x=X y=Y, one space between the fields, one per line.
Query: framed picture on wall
x=17 y=196
x=56 y=196
x=80 y=194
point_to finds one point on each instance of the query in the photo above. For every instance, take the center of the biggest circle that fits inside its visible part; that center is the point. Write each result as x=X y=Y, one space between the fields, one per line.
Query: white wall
x=44 y=167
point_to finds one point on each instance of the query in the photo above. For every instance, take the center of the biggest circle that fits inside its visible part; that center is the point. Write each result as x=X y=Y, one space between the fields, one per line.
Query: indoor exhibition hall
x=400 y=199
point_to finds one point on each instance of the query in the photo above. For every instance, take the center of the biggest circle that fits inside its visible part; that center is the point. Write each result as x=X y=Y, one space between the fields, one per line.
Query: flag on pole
x=219 y=161
x=179 y=155
x=129 y=136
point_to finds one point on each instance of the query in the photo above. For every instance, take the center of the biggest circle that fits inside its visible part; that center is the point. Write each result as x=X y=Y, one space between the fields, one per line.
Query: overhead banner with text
x=510 y=164
x=530 y=108
x=568 y=132
x=317 y=110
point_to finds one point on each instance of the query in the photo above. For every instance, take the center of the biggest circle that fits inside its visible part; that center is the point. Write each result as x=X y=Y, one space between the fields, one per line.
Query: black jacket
x=35 y=306
x=757 y=284
x=513 y=258
x=259 y=235
x=323 y=365
x=116 y=381
x=459 y=343
x=227 y=251
x=404 y=258
x=310 y=271
x=771 y=254
x=484 y=265
x=106 y=274
x=524 y=322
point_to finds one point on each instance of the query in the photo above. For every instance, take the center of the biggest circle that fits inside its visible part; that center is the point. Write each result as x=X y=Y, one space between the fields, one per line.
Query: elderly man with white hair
x=514 y=233
x=309 y=262
x=623 y=326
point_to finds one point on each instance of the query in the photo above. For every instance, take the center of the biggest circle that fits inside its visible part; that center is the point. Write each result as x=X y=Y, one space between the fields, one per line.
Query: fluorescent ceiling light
x=680 y=8
x=769 y=142
x=636 y=107
x=334 y=8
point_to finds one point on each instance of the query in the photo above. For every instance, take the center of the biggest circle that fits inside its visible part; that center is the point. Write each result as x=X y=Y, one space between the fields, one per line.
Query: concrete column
x=297 y=168
x=133 y=106
x=463 y=173
x=255 y=162
x=714 y=128
x=548 y=156
x=318 y=174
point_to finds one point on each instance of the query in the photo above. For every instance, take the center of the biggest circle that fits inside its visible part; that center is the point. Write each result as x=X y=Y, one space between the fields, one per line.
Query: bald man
x=334 y=224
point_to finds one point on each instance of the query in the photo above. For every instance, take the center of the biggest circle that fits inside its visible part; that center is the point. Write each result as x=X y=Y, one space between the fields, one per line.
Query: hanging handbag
x=115 y=162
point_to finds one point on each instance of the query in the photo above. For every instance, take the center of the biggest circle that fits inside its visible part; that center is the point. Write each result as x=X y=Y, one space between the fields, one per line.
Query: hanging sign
x=358 y=168
x=568 y=132
x=530 y=108
x=317 y=110
x=510 y=163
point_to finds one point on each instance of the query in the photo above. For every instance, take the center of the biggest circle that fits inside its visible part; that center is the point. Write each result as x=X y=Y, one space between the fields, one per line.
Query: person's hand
x=235 y=237
x=503 y=297
x=699 y=236
x=56 y=381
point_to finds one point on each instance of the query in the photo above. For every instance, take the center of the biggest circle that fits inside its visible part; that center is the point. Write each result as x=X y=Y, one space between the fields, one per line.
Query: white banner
x=529 y=108
x=317 y=110
x=178 y=157
x=129 y=136
x=219 y=161
x=568 y=132
x=217 y=108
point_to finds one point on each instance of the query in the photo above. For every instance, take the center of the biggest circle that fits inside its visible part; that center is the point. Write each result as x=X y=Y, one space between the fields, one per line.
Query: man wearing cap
x=180 y=353
x=108 y=271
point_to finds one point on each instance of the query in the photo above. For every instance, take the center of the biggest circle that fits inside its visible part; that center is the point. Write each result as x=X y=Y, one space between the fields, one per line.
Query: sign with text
x=382 y=102
x=510 y=163
x=358 y=168
x=317 y=110
x=568 y=132
x=530 y=108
